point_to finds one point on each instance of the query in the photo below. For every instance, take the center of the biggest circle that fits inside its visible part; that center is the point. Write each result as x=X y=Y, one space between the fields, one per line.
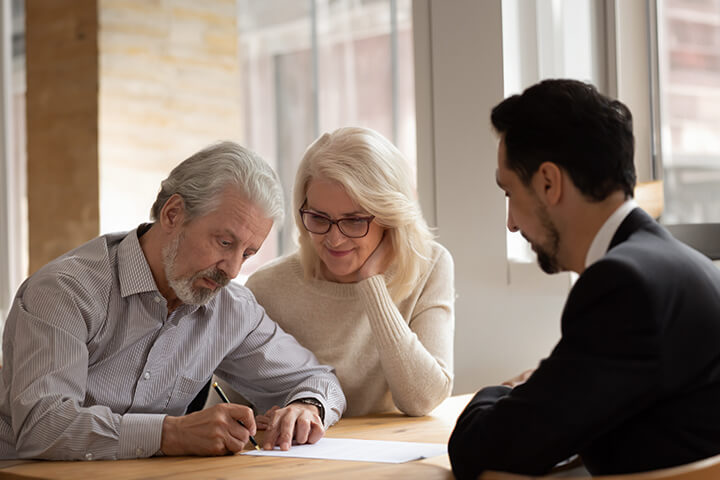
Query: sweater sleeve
x=416 y=356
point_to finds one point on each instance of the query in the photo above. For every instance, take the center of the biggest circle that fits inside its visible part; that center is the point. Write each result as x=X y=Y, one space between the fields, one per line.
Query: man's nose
x=511 y=225
x=232 y=264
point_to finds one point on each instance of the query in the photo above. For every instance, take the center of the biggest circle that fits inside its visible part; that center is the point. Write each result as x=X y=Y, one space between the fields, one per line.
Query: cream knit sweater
x=386 y=356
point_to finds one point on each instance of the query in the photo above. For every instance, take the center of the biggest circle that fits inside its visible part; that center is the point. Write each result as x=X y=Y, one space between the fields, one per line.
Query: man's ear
x=172 y=214
x=549 y=178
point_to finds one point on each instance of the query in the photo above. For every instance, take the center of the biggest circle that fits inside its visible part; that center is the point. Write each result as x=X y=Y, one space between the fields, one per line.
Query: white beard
x=183 y=286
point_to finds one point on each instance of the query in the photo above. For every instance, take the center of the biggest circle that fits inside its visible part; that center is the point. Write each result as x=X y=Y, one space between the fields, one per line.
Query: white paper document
x=359 y=450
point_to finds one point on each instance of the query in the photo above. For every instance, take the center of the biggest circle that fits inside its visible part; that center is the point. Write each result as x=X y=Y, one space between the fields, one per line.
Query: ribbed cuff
x=385 y=319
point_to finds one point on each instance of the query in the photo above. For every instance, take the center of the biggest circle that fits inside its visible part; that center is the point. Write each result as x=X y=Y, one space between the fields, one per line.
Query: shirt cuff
x=140 y=435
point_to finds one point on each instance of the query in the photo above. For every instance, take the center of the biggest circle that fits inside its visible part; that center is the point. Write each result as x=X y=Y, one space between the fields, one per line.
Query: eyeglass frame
x=332 y=222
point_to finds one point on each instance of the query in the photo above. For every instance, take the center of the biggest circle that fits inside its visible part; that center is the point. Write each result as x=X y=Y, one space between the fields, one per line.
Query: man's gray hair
x=201 y=178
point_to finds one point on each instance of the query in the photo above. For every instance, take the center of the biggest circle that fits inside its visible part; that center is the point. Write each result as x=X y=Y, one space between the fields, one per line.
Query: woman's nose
x=334 y=235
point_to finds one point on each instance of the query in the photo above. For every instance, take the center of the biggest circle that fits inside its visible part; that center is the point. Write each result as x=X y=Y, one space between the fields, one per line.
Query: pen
x=225 y=399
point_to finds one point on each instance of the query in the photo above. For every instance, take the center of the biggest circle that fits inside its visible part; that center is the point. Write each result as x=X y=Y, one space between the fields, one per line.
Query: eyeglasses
x=352 y=227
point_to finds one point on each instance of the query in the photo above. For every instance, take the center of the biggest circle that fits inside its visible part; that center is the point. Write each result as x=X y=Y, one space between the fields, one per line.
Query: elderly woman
x=368 y=291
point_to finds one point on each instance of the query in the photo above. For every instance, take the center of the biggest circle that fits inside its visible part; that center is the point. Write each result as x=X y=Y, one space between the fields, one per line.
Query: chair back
x=706 y=469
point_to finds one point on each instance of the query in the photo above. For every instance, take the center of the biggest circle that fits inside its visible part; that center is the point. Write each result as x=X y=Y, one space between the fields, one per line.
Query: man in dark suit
x=634 y=383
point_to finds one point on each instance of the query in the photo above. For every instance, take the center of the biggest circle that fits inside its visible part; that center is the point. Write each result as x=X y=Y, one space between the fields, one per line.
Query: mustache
x=214 y=274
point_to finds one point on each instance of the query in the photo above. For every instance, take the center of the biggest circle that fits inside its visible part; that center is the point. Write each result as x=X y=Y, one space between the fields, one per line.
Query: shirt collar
x=133 y=270
x=601 y=242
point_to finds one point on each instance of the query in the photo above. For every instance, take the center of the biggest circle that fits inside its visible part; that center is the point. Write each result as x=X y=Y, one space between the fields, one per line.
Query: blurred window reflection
x=689 y=70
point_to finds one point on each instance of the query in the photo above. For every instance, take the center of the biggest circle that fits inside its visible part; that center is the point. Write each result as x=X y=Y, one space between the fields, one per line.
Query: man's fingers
x=302 y=429
x=234 y=444
x=237 y=431
x=262 y=422
x=294 y=421
x=245 y=415
x=316 y=432
x=213 y=431
x=237 y=434
x=274 y=408
x=271 y=433
x=287 y=428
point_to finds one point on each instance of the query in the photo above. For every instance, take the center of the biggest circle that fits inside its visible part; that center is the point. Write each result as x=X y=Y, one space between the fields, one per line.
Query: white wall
x=508 y=312
x=507 y=315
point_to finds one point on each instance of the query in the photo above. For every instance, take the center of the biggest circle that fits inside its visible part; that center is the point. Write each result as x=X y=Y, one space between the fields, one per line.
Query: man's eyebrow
x=253 y=249
x=226 y=231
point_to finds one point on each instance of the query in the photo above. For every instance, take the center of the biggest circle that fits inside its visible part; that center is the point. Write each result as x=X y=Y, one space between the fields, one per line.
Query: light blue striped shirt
x=93 y=361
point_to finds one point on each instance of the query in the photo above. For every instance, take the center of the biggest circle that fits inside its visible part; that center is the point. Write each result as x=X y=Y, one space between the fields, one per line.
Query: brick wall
x=119 y=92
x=169 y=85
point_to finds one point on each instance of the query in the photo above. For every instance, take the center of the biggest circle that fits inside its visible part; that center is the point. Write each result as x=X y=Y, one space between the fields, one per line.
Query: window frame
x=703 y=236
x=10 y=203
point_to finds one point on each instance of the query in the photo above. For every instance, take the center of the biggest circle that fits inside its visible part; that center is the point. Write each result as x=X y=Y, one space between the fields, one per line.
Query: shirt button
x=157 y=299
x=88 y=456
x=146 y=376
x=139 y=452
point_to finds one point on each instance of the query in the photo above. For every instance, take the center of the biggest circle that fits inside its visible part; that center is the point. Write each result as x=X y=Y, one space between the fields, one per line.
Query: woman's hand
x=378 y=261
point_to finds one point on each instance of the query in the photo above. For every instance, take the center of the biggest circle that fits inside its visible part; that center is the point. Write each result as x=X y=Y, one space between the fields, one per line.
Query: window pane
x=689 y=68
x=549 y=39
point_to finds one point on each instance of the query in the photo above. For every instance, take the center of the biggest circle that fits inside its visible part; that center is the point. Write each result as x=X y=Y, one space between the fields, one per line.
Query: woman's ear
x=549 y=178
x=172 y=214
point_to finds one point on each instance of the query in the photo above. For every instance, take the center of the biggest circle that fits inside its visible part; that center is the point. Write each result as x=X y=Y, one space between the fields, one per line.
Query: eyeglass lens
x=350 y=227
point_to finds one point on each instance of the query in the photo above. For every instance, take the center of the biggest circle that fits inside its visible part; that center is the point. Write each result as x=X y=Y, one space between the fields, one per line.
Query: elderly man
x=106 y=346
x=634 y=383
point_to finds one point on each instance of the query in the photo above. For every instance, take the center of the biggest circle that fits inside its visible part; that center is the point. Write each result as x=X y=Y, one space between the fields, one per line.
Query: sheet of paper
x=359 y=450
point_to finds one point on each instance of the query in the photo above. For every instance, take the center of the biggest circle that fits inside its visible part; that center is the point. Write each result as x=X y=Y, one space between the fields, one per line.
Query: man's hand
x=213 y=431
x=262 y=421
x=520 y=379
x=298 y=421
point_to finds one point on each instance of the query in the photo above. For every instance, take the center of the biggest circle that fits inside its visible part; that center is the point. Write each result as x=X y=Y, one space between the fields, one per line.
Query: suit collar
x=635 y=220
x=599 y=246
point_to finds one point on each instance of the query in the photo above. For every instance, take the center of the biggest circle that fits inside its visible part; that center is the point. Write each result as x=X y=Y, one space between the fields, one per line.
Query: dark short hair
x=571 y=124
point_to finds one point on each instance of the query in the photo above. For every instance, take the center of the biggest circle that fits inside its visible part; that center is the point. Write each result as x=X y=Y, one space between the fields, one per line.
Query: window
x=311 y=67
x=689 y=94
x=549 y=39
x=13 y=219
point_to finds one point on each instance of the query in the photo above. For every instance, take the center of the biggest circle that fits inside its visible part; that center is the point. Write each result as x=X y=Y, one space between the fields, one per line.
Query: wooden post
x=62 y=126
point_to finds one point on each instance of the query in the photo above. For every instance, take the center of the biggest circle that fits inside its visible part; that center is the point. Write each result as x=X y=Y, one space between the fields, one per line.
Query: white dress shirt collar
x=601 y=242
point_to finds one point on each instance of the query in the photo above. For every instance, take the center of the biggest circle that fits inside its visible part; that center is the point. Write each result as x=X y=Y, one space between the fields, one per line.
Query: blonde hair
x=376 y=176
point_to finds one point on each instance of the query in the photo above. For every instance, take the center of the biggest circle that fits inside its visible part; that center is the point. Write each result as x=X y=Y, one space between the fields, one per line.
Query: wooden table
x=434 y=428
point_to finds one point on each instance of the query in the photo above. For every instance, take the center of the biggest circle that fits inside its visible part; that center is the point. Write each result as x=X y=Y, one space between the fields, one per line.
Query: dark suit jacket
x=633 y=384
